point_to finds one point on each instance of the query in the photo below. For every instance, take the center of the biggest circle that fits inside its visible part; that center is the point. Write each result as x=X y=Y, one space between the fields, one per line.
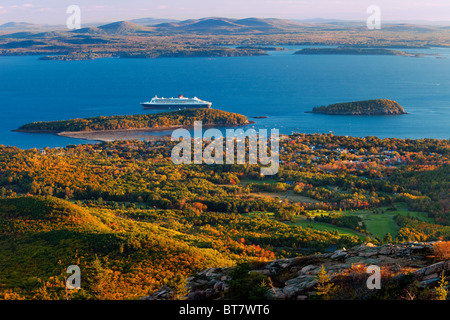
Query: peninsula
x=366 y=107
x=357 y=51
x=126 y=127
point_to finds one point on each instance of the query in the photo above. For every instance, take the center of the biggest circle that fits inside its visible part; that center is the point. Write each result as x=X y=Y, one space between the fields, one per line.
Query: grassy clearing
x=378 y=223
x=258 y=214
x=402 y=210
x=298 y=198
x=304 y=223
x=315 y=213
x=247 y=181
x=284 y=195
x=300 y=221
x=382 y=222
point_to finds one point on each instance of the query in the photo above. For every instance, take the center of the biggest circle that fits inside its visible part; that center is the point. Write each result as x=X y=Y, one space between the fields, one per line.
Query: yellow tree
x=324 y=287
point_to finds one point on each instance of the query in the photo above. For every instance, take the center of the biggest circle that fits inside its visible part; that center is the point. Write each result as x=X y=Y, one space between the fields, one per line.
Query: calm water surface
x=281 y=86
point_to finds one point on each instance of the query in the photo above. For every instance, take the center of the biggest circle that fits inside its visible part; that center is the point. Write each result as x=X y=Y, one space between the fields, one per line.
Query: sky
x=54 y=11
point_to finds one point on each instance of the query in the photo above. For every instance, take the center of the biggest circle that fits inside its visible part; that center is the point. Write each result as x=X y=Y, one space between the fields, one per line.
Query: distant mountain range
x=116 y=28
x=224 y=25
x=151 y=21
x=385 y=22
x=214 y=25
x=20 y=26
x=204 y=25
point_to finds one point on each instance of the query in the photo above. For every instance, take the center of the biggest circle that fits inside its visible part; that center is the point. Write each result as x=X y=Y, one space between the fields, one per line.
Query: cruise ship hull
x=176 y=106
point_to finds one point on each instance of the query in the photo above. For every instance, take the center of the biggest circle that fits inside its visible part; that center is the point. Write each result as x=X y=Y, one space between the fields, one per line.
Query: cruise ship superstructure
x=175 y=103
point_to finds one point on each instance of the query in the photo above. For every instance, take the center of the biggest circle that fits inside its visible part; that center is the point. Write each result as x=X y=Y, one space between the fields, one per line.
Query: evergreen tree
x=324 y=288
x=441 y=290
x=387 y=238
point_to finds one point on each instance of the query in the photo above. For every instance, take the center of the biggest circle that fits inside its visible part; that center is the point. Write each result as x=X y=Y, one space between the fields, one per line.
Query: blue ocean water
x=281 y=86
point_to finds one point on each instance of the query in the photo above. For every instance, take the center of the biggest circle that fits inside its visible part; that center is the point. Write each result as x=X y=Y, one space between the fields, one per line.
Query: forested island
x=366 y=107
x=357 y=51
x=163 y=52
x=158 y=121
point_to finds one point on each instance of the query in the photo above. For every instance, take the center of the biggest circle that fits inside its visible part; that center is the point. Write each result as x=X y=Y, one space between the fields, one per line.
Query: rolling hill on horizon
x=228 y=25
x=219 y=25
x=215 y=25
x=115 y=28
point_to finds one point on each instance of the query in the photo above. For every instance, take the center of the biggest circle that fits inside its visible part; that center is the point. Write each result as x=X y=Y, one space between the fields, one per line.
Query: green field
x=324 y=227
x=284 y=195
x=304 y=223
x=247 y=181
x=382 y=222
x=379 y=222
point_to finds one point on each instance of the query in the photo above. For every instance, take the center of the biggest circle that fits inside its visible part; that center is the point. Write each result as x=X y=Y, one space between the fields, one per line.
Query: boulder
x=276 y=293
x=299 y=279
x=339 y=254
x=308 y=268
x=368 y=253
x=388 y=250
x=434 y=268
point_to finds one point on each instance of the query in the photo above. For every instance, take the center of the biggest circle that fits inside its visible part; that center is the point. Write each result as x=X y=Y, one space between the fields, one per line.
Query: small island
x=366 y=107
x=112 y=128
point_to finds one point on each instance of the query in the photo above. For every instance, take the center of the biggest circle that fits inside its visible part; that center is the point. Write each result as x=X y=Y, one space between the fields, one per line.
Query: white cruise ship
x=175 y=103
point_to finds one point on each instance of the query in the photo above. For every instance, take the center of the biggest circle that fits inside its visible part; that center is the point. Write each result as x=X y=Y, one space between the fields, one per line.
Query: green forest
x=184 y=117
x=367 y=107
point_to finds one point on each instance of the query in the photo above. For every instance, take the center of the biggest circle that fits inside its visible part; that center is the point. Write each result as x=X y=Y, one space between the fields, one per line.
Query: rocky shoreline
x=124 y=134
x=113 y=135
x=131 y=134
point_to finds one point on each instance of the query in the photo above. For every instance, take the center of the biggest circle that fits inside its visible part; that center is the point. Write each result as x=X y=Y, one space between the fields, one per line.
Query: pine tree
x=178 y=286
x=387 y=238
x=441 y=291
x=367 y=240
x=324 y=287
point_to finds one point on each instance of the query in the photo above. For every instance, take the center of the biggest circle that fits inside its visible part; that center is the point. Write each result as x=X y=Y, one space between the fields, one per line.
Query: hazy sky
x=54 y=11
